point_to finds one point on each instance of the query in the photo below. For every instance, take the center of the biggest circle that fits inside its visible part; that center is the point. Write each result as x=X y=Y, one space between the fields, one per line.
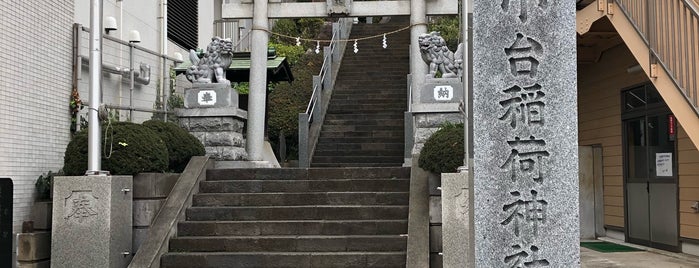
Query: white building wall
x=35 y=88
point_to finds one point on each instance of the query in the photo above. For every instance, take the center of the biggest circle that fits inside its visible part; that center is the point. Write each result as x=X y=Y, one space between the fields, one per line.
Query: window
x=182 y=23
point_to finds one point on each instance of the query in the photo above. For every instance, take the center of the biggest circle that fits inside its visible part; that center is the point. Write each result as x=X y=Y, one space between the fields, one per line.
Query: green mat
x=607 y=247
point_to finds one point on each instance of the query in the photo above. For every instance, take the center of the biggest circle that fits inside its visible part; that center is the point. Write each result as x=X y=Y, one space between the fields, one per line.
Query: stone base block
x=244 y=164
x=139 y=235
x=33 y=247
x=442 y=90
x=153 y=185
x=455 y=221
x=41 y=215
x=210 y=96
x=92 y=218
x=144 y=211
x=226 y=153
x=35 y=264
x=219 y=129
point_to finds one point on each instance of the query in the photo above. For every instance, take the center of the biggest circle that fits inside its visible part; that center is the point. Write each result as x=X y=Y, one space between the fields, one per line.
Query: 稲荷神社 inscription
x=525 y=134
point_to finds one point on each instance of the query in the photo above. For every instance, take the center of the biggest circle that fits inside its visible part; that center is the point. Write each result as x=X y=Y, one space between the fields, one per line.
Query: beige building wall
x=599 y=98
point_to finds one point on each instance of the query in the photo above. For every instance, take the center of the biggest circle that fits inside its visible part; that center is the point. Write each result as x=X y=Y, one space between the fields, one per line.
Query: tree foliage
x=448 y=27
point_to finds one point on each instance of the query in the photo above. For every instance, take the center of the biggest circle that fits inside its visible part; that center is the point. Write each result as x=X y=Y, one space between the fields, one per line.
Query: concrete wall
x=599 y=95
x=35 y=87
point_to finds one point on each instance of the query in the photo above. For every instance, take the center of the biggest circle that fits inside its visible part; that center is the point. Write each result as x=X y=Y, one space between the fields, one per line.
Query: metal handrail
x=322 y=87
x=670 y=29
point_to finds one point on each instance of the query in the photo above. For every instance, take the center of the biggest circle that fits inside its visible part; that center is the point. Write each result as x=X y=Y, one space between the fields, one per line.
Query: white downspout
x=163 y=51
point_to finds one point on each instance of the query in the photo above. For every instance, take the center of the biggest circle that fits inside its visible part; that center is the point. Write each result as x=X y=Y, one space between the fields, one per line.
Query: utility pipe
x=163 y=51
x=94 y=158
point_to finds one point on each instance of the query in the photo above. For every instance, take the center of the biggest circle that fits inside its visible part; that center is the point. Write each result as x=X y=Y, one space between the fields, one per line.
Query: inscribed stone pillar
x=525 y=134
x=92 y=217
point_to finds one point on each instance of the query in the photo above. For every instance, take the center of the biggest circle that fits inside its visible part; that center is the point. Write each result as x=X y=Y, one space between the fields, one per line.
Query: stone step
x=379 y=152
x=373 y=94
x=353 y=164
x=297 y=213
x=359 y=159
x=360 y=128
x=284 y=259
x=362 y=134
x=297 y=199
x=390 y=106
x=366 y=101
x=364 y=123
x=306 y=174
x=288 y=243
x=298 y=227
x=365 y=116
x=358 y=140
x=286 y=186
x=360 y=146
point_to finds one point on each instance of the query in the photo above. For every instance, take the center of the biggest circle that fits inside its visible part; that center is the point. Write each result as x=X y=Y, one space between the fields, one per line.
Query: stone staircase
x=364 y=122
x=334 y=217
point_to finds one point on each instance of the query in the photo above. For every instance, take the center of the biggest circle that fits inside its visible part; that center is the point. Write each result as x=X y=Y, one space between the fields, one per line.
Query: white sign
x=206 y=97
x=443 y=93
x=663 y=164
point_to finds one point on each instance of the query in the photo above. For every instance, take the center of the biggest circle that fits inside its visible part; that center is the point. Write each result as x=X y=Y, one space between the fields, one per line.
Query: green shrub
x=181 y=145
x=44 y=184
x=128 y=149
x=444 y=150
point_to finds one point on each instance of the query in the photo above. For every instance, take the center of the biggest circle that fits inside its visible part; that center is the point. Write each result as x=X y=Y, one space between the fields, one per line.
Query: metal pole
x=94 y=132
x=465 y=81
x=131 y=74
x=468 y=161
x=165 y=87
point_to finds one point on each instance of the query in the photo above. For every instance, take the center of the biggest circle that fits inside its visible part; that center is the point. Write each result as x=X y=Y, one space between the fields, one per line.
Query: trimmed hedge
x=181 y=145
x=134 y=149
x=444 y=150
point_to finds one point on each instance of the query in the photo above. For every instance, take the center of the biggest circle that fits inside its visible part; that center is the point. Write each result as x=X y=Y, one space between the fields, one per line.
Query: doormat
x=608 y=247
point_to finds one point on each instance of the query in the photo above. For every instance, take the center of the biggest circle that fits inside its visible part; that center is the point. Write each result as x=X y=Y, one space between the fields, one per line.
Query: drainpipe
x=94 y=158
x=163 y=51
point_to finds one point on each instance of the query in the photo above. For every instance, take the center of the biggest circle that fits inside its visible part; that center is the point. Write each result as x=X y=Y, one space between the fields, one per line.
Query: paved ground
x=640 y=259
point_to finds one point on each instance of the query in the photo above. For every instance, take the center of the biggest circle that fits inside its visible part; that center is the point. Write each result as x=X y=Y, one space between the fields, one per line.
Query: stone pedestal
x=211 y=114
x=439 y=104
x=91 y=221
x=455 y=219
x=210 y=96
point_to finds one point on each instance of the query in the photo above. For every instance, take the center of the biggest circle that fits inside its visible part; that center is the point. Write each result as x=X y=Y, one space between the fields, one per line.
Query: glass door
x=650 y=176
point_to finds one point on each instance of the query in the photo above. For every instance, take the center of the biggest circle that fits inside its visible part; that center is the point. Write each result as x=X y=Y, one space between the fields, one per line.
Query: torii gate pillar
x=258 y=81
x=418 y=68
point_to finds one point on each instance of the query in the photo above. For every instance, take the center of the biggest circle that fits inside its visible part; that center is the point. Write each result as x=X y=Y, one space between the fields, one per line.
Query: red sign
x=671 y=126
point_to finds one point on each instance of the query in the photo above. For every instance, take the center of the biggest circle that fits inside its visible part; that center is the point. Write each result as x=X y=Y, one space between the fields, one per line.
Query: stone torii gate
x=262 y=10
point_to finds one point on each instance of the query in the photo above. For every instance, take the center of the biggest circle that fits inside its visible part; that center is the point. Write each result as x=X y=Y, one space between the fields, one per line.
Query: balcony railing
x=670 y=28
